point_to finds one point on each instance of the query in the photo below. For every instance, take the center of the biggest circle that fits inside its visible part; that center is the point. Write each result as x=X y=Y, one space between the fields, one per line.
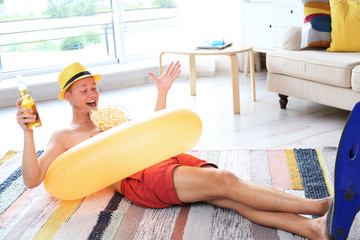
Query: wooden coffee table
x=232 y=52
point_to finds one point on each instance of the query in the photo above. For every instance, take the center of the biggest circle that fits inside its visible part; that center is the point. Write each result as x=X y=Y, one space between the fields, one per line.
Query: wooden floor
x=260 y=125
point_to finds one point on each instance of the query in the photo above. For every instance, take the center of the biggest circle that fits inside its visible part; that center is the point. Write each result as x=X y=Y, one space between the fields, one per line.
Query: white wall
x=203 y=19
x=208 y=19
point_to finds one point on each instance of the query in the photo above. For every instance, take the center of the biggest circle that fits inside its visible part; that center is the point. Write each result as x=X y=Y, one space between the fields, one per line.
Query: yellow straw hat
x=71 y=74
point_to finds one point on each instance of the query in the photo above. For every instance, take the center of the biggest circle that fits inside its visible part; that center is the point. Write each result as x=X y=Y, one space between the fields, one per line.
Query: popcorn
x=107 y=117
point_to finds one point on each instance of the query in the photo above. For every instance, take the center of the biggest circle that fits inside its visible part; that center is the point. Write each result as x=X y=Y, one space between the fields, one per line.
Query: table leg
x=246 y=63
x=192 y=75
x=252 y=74
x=160 y=64
x=235 y=82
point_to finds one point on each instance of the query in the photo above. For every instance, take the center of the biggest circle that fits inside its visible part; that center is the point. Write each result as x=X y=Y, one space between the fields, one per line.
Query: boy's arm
x=34 y=169
x=30 y=167
x=164 y=82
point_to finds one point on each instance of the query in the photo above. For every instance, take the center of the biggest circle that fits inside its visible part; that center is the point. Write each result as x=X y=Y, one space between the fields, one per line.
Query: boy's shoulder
x=62 y=136
x=62 y=133
x=71 y=136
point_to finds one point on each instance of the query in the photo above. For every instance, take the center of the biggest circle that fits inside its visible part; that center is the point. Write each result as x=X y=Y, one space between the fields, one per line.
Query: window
x=148 y=25
x=41 y=34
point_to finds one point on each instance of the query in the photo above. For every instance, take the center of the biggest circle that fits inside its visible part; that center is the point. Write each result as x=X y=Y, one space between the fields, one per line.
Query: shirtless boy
x=187 y=179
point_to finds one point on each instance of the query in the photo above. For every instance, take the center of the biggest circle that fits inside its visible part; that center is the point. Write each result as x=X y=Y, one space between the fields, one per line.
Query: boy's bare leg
x=291 y=222
x=206 y=184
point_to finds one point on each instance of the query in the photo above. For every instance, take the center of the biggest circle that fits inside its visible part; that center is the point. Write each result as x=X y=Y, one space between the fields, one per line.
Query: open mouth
x=91 y=104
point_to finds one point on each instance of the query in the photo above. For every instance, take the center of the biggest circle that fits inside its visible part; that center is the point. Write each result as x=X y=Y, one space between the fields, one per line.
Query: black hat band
x=76 y=76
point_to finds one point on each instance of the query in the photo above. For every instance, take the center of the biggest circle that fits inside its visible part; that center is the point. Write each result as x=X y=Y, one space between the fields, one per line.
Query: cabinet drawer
x=287 y=16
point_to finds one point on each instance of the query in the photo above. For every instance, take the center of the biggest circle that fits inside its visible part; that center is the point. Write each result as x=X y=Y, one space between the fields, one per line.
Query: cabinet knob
x=270 y=26
x=291 y=11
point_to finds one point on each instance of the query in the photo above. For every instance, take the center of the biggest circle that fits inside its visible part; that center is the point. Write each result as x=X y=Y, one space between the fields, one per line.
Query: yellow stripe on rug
x=9 y=154
x=53 y=224
x=325 y=173
x=294 y=170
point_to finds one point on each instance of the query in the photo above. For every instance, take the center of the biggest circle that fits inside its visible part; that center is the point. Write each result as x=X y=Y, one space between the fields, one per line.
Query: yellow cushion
x=345 y=26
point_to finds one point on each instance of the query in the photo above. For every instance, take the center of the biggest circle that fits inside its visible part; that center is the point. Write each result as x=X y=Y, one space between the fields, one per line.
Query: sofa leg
x=283 y=101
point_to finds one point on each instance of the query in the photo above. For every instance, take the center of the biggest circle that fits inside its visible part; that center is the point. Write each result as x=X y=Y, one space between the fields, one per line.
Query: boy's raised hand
x=164 y=82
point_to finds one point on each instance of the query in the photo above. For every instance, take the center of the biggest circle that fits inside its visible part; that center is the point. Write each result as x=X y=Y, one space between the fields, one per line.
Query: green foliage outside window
x=156 y=3
x=73 y=43
x=44 y=46
x=164 y=3
x=135 y=5
x=91 y=37
x=70 y=7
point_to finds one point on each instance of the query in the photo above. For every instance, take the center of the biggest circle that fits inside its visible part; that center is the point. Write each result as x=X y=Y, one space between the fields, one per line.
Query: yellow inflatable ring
x=120 y=152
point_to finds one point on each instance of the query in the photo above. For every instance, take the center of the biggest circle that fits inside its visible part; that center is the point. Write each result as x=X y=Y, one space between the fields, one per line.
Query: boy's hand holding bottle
x=27 y=116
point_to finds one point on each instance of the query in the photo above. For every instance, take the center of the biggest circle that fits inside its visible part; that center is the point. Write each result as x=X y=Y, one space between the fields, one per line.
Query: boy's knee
x=226 y=179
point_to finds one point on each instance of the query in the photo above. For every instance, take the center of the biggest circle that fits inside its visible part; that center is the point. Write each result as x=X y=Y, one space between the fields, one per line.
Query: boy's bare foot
x=326 y=204
x=319 y=229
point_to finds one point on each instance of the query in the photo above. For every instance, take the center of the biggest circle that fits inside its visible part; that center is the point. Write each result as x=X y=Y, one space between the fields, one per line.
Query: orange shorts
x=153 y=187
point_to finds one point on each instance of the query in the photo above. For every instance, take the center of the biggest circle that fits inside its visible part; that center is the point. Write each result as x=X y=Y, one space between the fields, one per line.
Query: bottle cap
x=20 y=82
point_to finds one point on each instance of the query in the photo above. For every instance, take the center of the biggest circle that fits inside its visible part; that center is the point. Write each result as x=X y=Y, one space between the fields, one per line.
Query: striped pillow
x=317 y=29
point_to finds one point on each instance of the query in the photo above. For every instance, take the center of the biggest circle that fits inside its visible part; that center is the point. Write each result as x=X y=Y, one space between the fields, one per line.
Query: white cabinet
x=264 y=23
x=258 y=25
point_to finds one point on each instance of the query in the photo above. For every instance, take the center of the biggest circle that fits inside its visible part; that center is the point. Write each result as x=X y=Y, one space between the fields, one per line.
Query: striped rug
x=33 y=214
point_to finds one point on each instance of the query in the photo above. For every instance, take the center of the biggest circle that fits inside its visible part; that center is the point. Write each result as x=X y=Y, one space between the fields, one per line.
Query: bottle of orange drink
x=28 y=102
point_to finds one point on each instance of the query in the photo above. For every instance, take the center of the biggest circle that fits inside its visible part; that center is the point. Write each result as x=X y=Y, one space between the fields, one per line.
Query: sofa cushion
x=292 y=39
x=345 y=24
x=355 y=79
x=333 y=68
x=344 y=98
x=317 y=29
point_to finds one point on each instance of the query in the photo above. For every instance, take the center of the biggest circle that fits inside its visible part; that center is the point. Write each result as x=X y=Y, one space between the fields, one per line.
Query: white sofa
x=329 y=78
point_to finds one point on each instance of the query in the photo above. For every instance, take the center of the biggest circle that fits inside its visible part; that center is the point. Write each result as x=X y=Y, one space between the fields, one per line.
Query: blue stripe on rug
x=13 y=177
x=16 y=187
x=38 y=153
x=311 y=173
x=104 y=217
